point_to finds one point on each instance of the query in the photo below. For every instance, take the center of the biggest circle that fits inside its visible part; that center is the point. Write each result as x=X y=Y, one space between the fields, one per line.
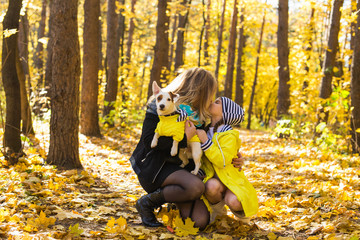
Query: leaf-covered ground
x=303 y=193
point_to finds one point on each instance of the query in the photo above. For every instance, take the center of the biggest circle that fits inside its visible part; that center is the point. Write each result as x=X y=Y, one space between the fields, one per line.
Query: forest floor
x=303 y=193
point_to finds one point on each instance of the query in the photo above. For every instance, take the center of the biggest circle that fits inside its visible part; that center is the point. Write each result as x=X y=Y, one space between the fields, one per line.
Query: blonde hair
x=196 y=87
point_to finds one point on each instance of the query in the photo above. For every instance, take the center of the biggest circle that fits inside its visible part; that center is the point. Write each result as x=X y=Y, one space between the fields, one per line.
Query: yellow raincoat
x=169 y=126
x=218 y=158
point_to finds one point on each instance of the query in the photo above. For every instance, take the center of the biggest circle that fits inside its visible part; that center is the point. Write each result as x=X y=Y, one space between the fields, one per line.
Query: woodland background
x=85 y=66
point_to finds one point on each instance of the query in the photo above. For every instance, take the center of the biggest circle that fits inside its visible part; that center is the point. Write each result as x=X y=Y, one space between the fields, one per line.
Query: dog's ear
x=174 y=96
x=155 y=88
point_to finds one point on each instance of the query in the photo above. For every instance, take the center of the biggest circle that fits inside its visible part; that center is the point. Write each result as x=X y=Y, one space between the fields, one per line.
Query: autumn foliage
x=302 y=159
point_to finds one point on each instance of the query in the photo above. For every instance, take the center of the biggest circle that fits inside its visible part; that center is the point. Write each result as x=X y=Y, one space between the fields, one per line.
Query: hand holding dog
x=202 y=135
x=190 y=129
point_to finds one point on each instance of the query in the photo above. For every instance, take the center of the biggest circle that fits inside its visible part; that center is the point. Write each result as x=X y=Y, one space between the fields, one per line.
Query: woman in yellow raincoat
x=225 y=184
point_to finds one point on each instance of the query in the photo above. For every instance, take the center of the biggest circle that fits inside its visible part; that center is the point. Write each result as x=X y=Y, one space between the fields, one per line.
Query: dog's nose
x=162 y=106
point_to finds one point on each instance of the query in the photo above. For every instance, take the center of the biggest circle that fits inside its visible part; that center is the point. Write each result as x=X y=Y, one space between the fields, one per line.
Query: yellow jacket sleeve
x=223 y=149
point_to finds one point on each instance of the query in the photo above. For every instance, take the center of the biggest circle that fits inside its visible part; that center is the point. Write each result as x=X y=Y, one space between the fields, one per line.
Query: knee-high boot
x=146 y=205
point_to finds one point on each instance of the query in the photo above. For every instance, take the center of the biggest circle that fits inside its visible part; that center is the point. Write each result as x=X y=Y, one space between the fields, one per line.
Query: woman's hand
x=190 y=129
x=202 y=135
x=238 y=162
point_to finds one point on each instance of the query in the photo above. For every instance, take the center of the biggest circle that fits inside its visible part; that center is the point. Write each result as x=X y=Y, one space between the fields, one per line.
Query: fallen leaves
x=185 y=229
x=303 y=194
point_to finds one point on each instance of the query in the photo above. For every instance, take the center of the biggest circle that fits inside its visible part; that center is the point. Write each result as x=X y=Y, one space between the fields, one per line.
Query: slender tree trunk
x=112 y=58
x=352 y=31
x=283 y=57
x=27 y=126
x=201 y=33
x=256 y=73
x=120 y=41
x=101 y=64
x=355 y=88
x=48 y=70
x=183 y=19
x=161 y=50
x=39 y=53
x=309 y=43
x=220 y=35
x=64 y=122
x=231 y=53
x=23 y=44
x=207 y=34
x=12 y=141
x=239 y=96
x=172 y=44
x=89 y=118
x=131 y=32
x=330 y=55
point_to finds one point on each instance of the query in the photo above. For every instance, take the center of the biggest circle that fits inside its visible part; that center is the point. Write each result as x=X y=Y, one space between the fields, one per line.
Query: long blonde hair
x=196 y=87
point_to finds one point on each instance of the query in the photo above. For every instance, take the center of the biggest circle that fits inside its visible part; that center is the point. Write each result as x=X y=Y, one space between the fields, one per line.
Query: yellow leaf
x=4 y=215
x=43 y=222
x=358 y=130
x=75 y=230
x=271 y=236
x=186 y=229
x=116 y=226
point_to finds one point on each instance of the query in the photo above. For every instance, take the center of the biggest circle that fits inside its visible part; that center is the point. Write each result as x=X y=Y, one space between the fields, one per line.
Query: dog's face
x=165 y=101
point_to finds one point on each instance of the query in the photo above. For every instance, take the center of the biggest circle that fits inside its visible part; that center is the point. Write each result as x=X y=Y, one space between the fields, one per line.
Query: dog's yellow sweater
x=168 y=126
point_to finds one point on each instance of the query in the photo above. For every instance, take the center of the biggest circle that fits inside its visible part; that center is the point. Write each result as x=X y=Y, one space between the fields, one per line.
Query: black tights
x=185 y=189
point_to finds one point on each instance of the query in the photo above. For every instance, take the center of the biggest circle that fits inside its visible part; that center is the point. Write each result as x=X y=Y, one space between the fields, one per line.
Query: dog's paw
x=174 y=151
x=195 y=172
x=153 y=144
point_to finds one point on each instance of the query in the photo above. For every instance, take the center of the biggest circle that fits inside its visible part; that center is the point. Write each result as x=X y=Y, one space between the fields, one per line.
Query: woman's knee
x=232 y=202
x=213 y=187
x=196 y=189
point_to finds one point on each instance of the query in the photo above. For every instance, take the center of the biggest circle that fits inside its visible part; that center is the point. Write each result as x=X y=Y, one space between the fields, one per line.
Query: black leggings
x=185 y=189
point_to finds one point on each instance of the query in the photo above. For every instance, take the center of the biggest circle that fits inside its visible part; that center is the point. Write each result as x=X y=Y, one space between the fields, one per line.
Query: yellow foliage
x=116 y=226
x=184 y=229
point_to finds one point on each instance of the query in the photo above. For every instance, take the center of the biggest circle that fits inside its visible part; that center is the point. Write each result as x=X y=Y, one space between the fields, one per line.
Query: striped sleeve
x=205 y=146
x=183 y=115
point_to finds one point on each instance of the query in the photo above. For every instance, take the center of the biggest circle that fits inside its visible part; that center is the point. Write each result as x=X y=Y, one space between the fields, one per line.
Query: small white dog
x=172 y=124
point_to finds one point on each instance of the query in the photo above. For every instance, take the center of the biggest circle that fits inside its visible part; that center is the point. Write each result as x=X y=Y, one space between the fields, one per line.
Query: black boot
x=146 y=205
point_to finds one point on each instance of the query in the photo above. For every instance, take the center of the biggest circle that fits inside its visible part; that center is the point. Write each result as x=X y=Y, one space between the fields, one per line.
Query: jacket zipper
x=158 y=172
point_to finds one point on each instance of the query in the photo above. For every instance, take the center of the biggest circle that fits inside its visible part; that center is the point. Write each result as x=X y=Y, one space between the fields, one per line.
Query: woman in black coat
x=158 y=172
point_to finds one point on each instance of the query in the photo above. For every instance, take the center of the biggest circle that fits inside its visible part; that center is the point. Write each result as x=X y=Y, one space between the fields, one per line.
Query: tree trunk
x=239 y=97
x=48 y=70
x=183 y=19
x=256 y=73
x=120 y=41
x=309 y=45
x=231 y=53
x=330 y=55
x=39 y=53
x=352 y=31
x=27 y=126
x=23 y=44
x=172 y=44
x=355 y=88
x=201 y=33
x=283 y=58
x=207 y=34
x=89 y=118
x=64 y=91
x=12 y=140
x=130 y=32
x=161 y=50
x=112 y=58
x=220 y=35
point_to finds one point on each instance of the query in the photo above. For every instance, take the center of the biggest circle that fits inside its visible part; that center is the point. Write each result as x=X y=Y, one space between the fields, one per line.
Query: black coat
x=148 y=162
